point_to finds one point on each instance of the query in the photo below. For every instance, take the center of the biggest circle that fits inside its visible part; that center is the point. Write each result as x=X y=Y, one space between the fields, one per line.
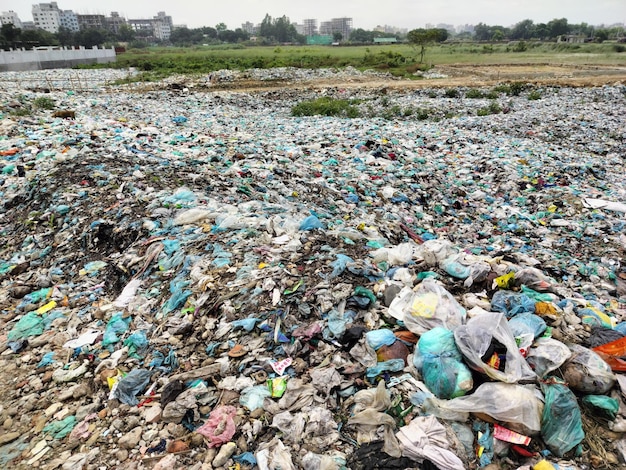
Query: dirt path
x=458 y=75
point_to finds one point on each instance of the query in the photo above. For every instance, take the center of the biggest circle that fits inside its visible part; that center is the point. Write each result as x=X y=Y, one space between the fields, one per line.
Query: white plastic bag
x=546 y=355
x=586 y=372
x=516 y=405
x=475 y=339
x=429 y=306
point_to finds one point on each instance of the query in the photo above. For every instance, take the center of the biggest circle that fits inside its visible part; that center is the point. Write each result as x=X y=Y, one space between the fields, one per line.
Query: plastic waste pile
x=201 y=280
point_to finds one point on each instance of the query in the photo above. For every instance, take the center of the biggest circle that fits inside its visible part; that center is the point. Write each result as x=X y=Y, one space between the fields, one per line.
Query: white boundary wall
x=38 y=59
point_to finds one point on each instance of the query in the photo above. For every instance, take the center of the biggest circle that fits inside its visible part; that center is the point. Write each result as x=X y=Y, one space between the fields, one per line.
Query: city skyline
x=366 y=14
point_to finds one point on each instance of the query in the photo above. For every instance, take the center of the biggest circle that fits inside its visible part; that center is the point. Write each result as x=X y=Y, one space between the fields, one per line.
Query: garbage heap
x=203 y=281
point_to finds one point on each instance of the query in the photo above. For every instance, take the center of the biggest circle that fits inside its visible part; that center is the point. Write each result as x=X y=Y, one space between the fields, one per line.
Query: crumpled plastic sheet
x=60 y=429
x=425 y=438
x=131 y=385
x=220 y=427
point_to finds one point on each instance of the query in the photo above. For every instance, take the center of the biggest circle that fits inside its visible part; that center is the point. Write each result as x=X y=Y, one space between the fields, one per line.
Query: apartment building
x=47 y=16
x=10 y=17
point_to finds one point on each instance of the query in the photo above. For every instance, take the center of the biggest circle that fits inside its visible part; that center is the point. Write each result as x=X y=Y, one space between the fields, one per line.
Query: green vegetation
x=43 y=102
x=493 y=108
x=474 y=93
x=452 y=93
x=534 y=95
x=327 y=107
x=511 y=89
x=401 y=60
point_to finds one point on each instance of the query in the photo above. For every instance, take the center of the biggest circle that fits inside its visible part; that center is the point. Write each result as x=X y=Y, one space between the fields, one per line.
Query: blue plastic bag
x=116 y=327
x=379 y=338
x=311 y=223
x=527 y=323
x=137 y=343
x=512 y=303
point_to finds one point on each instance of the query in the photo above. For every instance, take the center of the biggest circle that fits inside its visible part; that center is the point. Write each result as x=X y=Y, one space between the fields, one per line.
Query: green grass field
x=400 y=59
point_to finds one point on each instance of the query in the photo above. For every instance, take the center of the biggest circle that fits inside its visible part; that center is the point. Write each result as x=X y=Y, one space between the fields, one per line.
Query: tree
x=221 y=27
x=558 y=27
x=38 y=37
x=92 y=37
x=66 y=37
x=423 y=37
x=602 y=34
x=498 y=35
x=266 y=29
x=337 y=36
x=10 y=34
x=360 y=35
x=523 y=30
x=125 y=33
x=482 y=32
x=182 y=37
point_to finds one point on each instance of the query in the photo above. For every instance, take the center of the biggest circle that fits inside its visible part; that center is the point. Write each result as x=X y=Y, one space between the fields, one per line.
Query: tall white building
x=162 y=26
x=10 y=17
x=47 y=16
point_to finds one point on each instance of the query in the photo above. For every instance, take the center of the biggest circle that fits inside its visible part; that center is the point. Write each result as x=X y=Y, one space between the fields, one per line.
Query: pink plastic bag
x=220 y=427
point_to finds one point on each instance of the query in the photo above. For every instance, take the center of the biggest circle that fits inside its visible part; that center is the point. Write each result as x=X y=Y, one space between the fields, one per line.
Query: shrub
x=452 y=93
x=43 y=102
x=474 y=93
x=422 y=114
x=619 y=47
x=493 y=108
x=534 y=95
x=326 y=107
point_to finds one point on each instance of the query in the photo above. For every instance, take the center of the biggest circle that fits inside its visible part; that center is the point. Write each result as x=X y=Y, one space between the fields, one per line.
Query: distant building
x=159 y=27
x=114 y=22
x=309 y=27
x=249 y=28
x=91 y=21
x=390 y=29
x=10 y=17
x=47 y=16
x=68 y=20
x=337 y=25
x=163 y=26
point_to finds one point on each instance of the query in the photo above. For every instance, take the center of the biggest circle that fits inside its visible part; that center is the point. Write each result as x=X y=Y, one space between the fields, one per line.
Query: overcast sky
x=366 y=14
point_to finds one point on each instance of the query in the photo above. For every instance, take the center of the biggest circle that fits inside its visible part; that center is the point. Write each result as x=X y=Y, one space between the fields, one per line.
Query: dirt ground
x=460 y=75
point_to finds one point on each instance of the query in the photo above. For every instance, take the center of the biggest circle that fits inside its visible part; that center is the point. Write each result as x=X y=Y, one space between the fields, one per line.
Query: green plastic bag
x=602 y=406
x=439 y=361
x=561 y=424
x=30 y=324
x=60 y=429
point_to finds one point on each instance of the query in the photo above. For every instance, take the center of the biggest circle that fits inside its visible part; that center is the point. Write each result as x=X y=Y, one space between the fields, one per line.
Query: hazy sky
x=366 y=14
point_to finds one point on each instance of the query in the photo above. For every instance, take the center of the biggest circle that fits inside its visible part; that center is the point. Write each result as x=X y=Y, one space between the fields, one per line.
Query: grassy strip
x=399 y=60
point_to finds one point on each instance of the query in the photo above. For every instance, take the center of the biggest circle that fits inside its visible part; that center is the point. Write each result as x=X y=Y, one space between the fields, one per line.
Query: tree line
x=281 y=30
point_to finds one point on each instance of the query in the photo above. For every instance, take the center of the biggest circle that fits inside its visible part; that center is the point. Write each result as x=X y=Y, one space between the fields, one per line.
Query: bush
x=452 y=93
x=520 y=47
x=43 y=102
x=511 y=89
x=619 y=47
x=474 y=93
x=326 y=107
x=422 y=114
x=493 y=108
x=534 y=95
